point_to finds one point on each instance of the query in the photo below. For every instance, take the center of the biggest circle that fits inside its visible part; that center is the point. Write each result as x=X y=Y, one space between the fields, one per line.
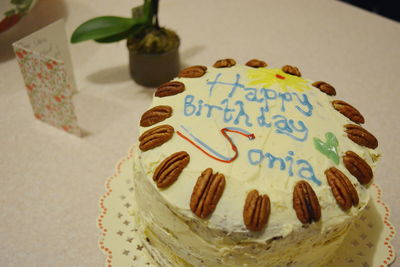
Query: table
x=50 y=182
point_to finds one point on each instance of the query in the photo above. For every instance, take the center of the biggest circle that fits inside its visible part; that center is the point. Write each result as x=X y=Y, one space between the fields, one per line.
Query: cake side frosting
x=186 y=242
x=264 y=130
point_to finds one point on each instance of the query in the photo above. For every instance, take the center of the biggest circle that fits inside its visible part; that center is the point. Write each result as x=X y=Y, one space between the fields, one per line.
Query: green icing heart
x=328 y=148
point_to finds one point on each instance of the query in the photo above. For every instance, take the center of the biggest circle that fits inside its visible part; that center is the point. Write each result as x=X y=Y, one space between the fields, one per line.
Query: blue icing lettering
x=213 y=84
x=210 y=109
x=282 y=123
x=261 y=119
x=291 y=135
x=268 y=96
x=306 y=171
x=265 y=97
x=227 y=111
x=235 y=86
x=302 y=129
x=286 y=97
x=273 y=159
x=289 y=160
x=287 y=127
x=252 y=95
x=189 y=108
x=303 y=167
x=242 y=113
x=305 y=103
x=198 y=113
x=258 y=153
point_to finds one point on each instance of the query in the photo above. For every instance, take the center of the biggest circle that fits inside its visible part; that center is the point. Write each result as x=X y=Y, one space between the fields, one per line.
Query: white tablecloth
x=50 y=182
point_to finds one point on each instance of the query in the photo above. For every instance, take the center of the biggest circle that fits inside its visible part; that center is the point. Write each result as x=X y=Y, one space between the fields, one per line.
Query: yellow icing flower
x=269 y=77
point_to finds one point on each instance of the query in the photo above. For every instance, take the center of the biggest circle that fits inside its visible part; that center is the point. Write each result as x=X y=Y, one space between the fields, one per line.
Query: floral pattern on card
x=48 y=90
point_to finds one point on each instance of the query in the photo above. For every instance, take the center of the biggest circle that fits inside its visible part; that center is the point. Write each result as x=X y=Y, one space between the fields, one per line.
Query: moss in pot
x=153 y=50
x=154 y=57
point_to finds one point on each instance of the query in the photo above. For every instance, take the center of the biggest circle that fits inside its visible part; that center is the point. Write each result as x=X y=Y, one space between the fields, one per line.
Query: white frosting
x=244 y=174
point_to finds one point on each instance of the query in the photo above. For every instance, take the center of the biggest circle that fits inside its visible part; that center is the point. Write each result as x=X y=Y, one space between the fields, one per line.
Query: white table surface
x=50 y=182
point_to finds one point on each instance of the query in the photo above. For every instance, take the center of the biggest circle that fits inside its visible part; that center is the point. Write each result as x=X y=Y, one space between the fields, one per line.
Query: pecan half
x=305 y=203
x=255 y=63
x=325 y=87
x=155 y=137
x=342 y=189
x=291 y=70
x=361 y=136
x=193 y=72
x=155 y=115
x=170 y=88
x=207 y=192
x=224 y=63
x=256 y=211
x=358 y=167
x=348 y=110
x=170 y=168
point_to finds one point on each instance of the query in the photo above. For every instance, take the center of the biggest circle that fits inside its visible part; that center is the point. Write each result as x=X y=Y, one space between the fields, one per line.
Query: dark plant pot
x=154 y=69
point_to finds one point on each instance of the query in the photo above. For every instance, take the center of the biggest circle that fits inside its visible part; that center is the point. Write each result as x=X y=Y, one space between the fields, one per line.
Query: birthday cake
x=245 y=165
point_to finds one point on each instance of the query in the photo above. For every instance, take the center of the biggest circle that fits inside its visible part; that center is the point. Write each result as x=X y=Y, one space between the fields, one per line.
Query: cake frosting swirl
x=263 y=129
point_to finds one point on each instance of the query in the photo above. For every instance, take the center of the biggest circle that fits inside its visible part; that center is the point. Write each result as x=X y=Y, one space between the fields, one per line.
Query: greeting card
x=46 y=67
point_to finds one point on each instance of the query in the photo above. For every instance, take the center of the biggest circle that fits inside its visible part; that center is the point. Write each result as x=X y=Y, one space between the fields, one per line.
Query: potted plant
x=153 y=50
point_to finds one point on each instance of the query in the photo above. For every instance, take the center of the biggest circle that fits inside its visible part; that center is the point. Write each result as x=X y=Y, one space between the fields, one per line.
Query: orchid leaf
x=103 y=27
x=114 y=38
x=123 y=35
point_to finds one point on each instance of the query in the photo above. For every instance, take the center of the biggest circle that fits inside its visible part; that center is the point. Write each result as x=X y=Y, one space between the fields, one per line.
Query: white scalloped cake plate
x=368 y=243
